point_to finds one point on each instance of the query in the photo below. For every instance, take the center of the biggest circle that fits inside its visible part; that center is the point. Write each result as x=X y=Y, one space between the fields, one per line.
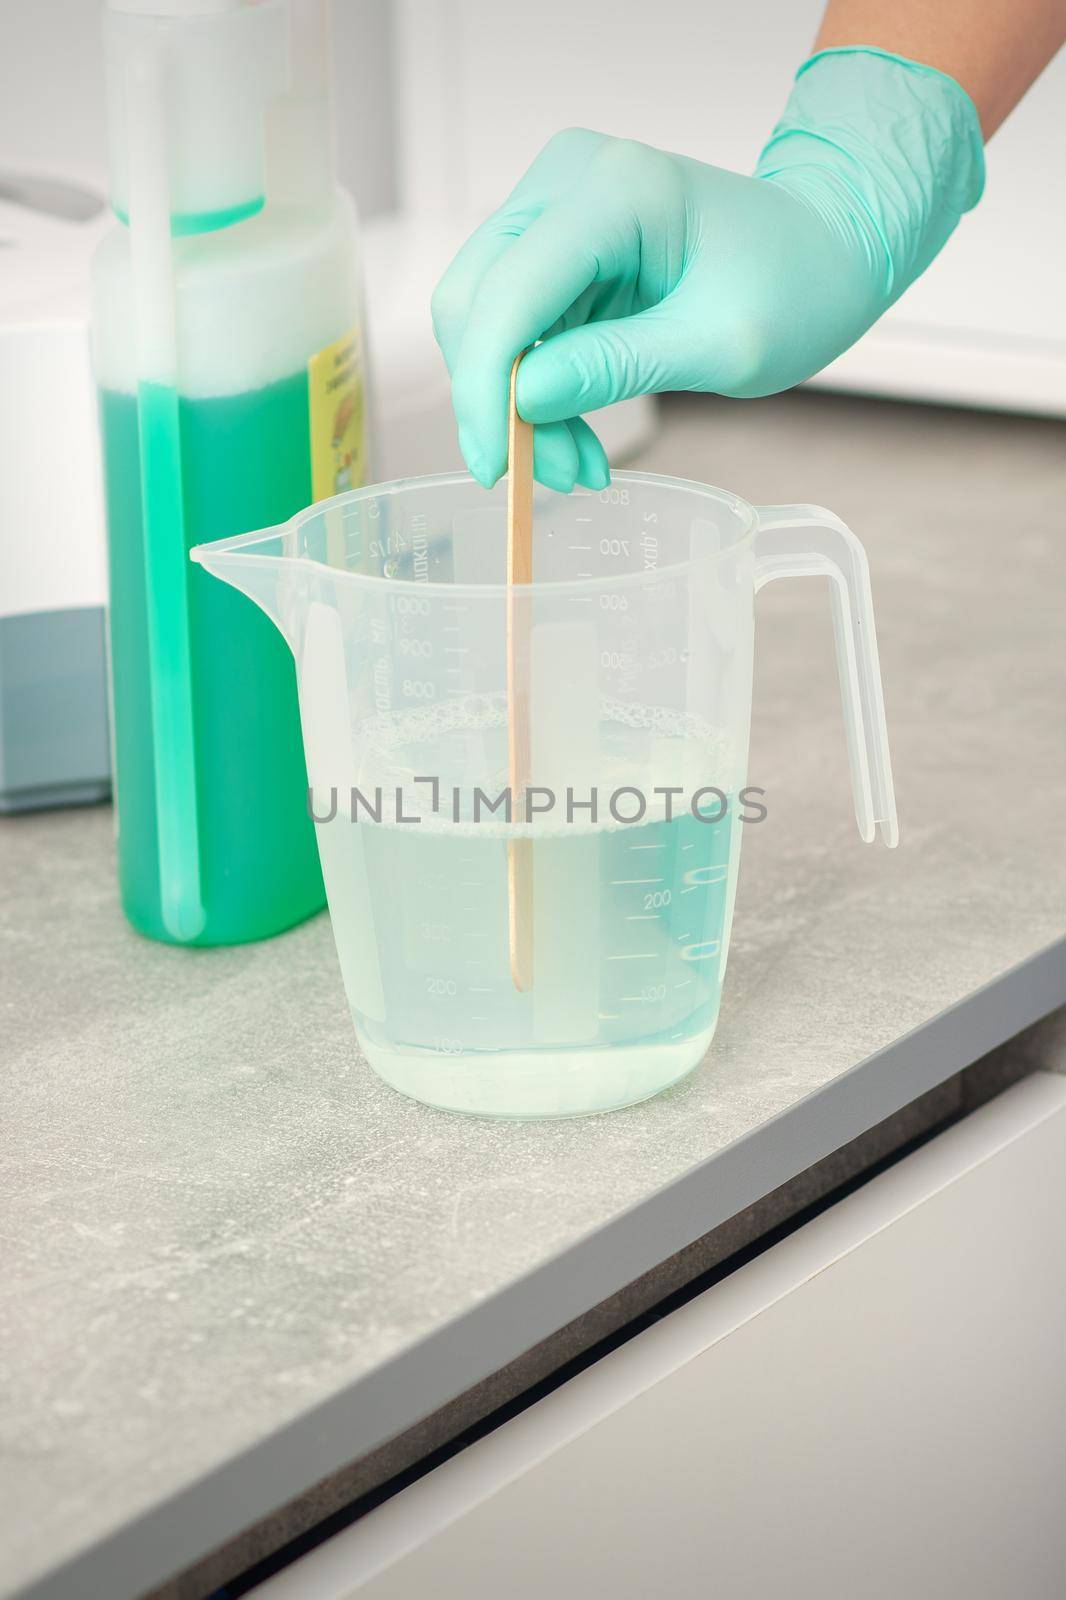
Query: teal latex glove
x=643 y=272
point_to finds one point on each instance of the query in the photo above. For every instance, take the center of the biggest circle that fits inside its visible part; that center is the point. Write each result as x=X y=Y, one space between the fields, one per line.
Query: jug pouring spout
x=262 y=565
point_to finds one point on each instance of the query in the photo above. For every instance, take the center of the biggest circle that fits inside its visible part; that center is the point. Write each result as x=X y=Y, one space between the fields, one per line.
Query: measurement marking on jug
x=582 y=519
x=683 y=985
x=704 y=882
x=456 y=650
x=644 y=916
x=580 y=599
x=581 y=546
x=617 y=882
x=648 y=847
x=473 y=988
x=608 y=1016
x=644 y=955
x=452 y=605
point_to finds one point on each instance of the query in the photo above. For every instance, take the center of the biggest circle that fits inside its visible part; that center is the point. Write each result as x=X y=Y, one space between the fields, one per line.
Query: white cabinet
x=873 y=1407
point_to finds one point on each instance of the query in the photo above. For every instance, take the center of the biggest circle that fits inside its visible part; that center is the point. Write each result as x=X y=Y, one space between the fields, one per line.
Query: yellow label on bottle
x=338 y=428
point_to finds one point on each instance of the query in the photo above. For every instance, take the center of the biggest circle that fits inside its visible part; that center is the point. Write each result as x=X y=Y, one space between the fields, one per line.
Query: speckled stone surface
x=234 y=1261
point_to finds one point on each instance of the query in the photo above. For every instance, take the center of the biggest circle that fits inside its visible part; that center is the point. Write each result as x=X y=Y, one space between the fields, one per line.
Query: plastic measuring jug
x=637 y=665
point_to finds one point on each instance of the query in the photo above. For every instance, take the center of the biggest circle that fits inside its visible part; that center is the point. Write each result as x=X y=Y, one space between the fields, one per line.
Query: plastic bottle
x=228 y=355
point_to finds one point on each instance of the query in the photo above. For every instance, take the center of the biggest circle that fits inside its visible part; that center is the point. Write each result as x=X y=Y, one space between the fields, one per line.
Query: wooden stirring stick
x=519 y=571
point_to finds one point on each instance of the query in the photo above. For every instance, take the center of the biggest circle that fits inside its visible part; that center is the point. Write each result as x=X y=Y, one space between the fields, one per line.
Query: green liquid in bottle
x=245 y=464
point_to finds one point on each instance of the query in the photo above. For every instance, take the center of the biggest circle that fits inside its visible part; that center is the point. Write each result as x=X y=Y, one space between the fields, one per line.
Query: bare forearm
x=993 y=48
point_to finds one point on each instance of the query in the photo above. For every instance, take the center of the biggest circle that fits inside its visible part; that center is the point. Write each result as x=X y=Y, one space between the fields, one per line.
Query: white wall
x=484 y=86
x=442 y=103
x=51 y=93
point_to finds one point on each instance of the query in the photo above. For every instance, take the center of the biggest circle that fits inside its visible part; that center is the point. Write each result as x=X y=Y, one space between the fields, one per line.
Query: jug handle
x=810 y=542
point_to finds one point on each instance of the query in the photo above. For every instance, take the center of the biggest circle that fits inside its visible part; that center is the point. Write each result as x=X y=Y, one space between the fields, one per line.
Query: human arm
x=995 y=50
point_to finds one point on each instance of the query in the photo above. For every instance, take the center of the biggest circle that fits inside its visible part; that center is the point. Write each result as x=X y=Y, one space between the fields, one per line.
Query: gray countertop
x=235 y=1261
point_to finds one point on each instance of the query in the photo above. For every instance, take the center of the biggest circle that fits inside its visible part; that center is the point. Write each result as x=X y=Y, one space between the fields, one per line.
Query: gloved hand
x=643 y=272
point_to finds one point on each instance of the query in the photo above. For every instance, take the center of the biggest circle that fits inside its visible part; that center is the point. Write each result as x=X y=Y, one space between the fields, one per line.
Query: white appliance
x=53 y=677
